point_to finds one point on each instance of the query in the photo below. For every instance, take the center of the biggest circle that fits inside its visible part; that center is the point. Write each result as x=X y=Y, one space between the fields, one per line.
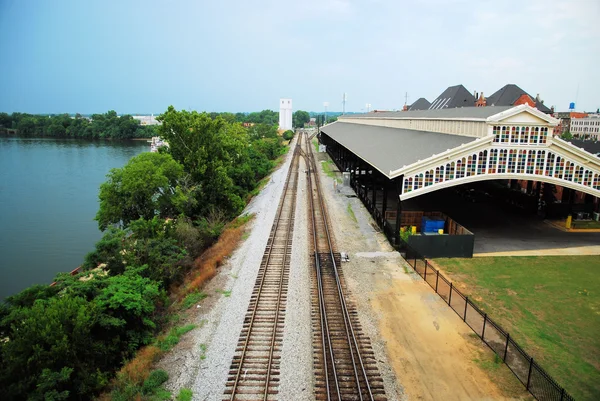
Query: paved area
x=508 y=232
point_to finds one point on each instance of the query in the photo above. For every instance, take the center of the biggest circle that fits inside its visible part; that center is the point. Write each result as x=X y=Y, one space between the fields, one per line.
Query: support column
x=374 y=190
x=398 y=221
x=384 y=205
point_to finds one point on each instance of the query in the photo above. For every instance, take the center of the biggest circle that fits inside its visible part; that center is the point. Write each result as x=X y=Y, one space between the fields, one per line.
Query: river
x=48 y=201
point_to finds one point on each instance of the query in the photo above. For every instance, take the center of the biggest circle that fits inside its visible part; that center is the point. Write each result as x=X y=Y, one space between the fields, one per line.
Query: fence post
x=450 y=296
x=415 y=266
x=529 y=374
x=425 y=270
x=562 y=394
x=437 y=277
x=506 y=346
x=483 y=330
x=466 y=303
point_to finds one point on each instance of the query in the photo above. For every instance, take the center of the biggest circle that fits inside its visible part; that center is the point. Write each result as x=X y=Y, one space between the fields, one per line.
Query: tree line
x=157 y=213
x=98 y=126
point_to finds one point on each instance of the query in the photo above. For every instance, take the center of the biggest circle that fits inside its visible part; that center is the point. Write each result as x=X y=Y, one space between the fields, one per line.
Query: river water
x=48 y=201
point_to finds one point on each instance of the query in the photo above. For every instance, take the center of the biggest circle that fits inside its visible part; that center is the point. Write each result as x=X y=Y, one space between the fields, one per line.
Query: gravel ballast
x=297 y=378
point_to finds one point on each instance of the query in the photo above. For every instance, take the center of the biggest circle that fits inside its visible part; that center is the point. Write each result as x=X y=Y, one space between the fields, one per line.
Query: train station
x=415 y=167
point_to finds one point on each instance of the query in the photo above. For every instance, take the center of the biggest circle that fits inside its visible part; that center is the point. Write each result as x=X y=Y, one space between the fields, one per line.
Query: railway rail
x=344 y=362
x=254 y=371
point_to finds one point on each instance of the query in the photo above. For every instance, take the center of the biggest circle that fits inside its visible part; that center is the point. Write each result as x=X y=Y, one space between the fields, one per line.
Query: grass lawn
x=585 y=224
x=549 y=305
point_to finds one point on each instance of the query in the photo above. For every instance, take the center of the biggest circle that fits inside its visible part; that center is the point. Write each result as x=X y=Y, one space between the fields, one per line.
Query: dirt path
x=429 y=350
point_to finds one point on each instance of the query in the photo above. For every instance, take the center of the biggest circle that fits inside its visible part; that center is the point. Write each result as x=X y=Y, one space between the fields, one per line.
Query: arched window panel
x=496 y=131
x=524 y=135
x=439 y=174
x=481 y=163
x=502 y=160
x=418 y=181
x=450 y=171
x=550 y=164
x=514 y=135
x=544 y=135
x=512 y=160
x=559 y=167
x=587 y=178
x=504 y=134
x=578 y=177
x=530 y=162
x=539 y=162
x=408 y=185
x=596 y=183
x=493 y=160
x=535 y=133
x=569 y=169
x=471 y=165
x=460 y=168
x=428 y=178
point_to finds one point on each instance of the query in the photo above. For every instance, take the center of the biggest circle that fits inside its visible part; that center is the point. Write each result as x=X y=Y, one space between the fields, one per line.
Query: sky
x=238 y=55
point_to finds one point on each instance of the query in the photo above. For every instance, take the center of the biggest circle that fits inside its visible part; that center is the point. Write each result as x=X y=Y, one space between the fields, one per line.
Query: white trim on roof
x=520 y=108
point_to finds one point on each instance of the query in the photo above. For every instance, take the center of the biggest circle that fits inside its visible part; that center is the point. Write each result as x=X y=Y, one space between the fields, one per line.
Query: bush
x=154 y=381
x=288 y=135
x=185 y=394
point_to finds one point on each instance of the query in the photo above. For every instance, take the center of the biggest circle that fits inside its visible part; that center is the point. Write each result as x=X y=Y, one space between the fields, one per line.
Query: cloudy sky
x=241 y=55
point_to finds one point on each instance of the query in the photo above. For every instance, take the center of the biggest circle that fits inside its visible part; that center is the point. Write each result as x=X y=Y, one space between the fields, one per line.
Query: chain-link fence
x=535 y=379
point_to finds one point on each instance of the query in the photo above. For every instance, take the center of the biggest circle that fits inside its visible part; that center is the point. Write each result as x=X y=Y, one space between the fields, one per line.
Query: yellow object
x=413 y=230
x=402 y=229
x=441 y=231
x=569 y=221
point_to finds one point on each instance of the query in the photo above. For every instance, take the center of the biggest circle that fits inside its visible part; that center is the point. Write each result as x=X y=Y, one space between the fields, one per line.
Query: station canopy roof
x=389 y=149
x=458 y=113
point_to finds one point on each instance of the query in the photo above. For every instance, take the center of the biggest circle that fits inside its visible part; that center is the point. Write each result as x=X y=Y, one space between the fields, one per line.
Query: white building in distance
x=285 y=114
x=586 y=127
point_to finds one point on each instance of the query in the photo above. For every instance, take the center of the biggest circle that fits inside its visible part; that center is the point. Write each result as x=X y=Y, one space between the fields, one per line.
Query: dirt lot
x=432 y=353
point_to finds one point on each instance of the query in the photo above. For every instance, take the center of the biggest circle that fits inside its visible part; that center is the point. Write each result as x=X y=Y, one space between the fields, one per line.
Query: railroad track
x=344 y=362
x=255 y=368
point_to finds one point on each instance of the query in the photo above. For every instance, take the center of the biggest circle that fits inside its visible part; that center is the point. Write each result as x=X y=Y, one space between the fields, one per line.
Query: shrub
x=185 y=394
x=288 y=135
x=154 y=381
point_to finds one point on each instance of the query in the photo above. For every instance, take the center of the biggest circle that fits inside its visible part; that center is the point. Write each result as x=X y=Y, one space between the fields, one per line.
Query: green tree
x=150 y=184
x=567 y=135
x=207 y=149
x=50 y=349
x=299 y=118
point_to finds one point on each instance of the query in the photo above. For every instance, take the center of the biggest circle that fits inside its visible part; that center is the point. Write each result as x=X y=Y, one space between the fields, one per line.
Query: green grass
x=185 y=394
x=586 y=224
x=351 y=213
x=316 y=143
x=202 y=351
x=549 y=305
x=328 y=167
x=224 y=292
x=171 y=339
x=192 y=299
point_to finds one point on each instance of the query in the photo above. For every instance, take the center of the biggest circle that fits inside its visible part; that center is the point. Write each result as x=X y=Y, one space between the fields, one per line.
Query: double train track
x=344 y=363
x=254 y=371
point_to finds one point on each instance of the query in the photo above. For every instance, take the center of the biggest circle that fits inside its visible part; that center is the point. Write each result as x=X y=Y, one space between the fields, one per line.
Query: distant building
x=452 y=97
x=586 y=127
x=285 y=114
x=512 y=95
x=565 y=120
x=420 y=104
x=459 y=96
x=147 y=120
